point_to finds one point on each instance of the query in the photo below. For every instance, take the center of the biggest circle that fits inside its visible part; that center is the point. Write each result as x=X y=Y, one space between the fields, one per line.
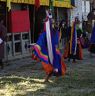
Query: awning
x=2 y=0
x=62 y=3
x=42 y=2
x=56 y=3
x=23 y=1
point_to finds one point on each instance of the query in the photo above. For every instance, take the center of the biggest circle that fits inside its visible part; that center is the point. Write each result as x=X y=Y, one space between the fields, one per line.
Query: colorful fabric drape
x=9 y=4
x=20 y=21
x=40 y=50
x=73 y=41
x=92 y=40
x=51 y=7
x=37 y=4
x=49 y=43
x=73 y=48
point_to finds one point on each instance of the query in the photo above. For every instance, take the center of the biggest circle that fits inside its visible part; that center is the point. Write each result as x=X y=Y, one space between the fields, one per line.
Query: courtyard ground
x=25 y=77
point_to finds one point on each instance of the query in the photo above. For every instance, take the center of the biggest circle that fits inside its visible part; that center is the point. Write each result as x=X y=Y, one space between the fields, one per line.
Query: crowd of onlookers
x=82 y=34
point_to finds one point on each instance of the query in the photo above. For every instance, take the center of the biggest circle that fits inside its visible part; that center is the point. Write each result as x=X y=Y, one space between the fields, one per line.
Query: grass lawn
x=28 y=81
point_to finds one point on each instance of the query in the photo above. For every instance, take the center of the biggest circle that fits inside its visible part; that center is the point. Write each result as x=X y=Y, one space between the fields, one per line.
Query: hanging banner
x=9 y=5
x=37 y=4
x=20 y=21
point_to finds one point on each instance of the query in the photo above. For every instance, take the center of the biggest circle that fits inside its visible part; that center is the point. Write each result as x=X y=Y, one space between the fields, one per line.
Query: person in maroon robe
x=2 y=39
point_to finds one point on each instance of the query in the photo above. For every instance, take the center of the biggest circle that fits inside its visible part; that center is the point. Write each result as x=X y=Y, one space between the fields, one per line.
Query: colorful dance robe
x=92 y=41
x=40 y=51
x=73 y=47
x=79 y=52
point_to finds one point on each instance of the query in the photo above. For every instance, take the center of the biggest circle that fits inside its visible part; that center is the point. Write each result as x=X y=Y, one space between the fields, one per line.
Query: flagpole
x=6 y=31
x=33 y=24
x=36 y=6
x=57 y=16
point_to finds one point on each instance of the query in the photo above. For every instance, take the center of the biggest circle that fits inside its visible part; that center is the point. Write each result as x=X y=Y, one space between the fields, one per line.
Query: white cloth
x=1 y=41
x=75 y=42
x=49 y=43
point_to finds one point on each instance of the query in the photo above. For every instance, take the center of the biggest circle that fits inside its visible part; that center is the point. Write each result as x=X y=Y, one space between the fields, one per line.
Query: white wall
x=82 y=8
x=85 y=9
x=77 y=11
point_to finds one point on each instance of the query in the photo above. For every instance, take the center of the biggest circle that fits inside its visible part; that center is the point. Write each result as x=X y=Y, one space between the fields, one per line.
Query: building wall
x=91 y=16
x=16 y=48
x=77 y=11
x=85 y=9
x=81 y=10
x=92 y=4
x=17 y=43
x=62 y=14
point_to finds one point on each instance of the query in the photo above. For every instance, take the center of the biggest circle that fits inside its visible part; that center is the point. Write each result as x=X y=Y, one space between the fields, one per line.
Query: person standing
x=73 y=49
x=92 y=41
x=2 y=39
x=46 y=50
x=63 y=30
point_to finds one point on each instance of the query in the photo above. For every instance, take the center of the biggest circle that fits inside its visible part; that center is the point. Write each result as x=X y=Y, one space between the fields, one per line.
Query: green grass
x=29 y=81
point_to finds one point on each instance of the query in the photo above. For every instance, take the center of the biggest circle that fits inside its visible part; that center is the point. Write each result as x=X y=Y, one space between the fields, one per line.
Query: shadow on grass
x=31 y=86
